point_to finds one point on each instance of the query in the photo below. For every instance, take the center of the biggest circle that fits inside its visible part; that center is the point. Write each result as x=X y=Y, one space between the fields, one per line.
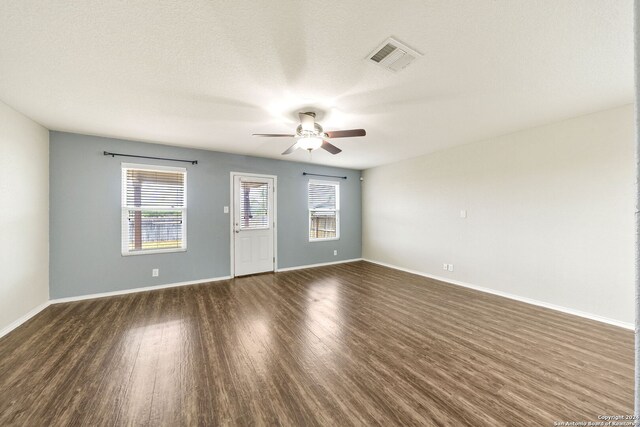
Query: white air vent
x=393 y=55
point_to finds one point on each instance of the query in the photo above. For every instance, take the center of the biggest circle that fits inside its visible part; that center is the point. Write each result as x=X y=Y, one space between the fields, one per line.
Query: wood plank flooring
x=352 y=344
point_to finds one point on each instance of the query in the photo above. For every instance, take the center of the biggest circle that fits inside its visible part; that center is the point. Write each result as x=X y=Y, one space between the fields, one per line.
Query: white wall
x=24 y=216
x=550 y=214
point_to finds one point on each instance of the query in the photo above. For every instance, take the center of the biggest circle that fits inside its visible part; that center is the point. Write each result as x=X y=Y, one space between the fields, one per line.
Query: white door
x=253 y=224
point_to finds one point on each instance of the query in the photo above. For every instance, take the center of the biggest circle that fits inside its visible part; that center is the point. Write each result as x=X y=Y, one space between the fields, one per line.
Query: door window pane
x=254 y=205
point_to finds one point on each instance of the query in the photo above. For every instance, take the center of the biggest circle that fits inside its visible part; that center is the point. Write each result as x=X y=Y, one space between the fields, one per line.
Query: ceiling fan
x=310 y=135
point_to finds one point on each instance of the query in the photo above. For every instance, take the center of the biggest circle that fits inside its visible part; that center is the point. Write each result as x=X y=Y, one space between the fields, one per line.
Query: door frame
x=232 y=239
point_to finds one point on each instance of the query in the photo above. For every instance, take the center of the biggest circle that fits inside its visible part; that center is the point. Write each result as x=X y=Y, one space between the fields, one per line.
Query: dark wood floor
x=354 y=344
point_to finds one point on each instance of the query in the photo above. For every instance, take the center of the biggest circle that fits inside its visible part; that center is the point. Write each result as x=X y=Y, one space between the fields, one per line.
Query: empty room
x=303 y=213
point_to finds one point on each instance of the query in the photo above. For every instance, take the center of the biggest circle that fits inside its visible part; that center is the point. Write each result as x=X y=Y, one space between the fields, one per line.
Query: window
x=324 y=210
x=154 y=209
x=254 y=205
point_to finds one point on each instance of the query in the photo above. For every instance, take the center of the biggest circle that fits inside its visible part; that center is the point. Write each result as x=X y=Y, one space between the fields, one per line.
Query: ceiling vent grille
x=393 y=55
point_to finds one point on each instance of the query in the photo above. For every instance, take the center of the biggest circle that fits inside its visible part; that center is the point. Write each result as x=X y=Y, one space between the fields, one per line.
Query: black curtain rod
x=328 y=176
x=193 y=162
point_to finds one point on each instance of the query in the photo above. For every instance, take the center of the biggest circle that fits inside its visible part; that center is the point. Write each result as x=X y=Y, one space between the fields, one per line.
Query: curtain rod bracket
x=107 y=153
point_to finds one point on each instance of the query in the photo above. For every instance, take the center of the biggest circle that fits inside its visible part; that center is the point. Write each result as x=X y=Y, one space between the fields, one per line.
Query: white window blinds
x=254 y=205
x=153 y=209
x=324 y=210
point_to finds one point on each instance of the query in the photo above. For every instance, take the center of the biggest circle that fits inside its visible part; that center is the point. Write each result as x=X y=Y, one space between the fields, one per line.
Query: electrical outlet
x=463 y=213
x=155 y=272
x=450 y=267
x=226 y=209
x=335 y=252
x=445 y=266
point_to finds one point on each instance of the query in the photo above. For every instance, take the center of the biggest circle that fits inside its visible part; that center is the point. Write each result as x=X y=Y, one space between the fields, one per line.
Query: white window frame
x=124 y=235
x=337 y=210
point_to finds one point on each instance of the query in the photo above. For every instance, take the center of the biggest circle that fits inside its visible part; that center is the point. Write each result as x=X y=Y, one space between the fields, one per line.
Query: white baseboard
x=136 y=290
x=173 y=285
x=13 y=325
x=23 y=319
x=301 y=267
x=567 y=310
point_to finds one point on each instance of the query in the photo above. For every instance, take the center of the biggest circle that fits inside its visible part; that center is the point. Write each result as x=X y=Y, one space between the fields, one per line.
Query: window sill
x=153 y=251
x=324 y=240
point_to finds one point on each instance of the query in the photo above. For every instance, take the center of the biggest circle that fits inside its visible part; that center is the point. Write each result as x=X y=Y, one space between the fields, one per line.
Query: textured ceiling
x=207 y=74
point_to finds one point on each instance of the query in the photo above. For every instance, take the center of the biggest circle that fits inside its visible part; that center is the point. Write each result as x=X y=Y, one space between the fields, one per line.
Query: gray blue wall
x=85 y=216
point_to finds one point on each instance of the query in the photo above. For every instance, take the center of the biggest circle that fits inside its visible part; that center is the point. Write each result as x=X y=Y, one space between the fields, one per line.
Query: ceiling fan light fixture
x=310 y=142
x=310 y=135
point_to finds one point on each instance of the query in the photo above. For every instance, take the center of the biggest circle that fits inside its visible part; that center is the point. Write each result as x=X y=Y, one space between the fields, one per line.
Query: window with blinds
x=324 y=210
x=254 y=205
x=154 y=209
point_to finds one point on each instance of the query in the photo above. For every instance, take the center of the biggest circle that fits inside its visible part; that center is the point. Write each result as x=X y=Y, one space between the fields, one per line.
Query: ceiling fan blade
x=290 y=149
x=330 y=147
x=307 y=121
x=346 y=133
x=274 y=135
